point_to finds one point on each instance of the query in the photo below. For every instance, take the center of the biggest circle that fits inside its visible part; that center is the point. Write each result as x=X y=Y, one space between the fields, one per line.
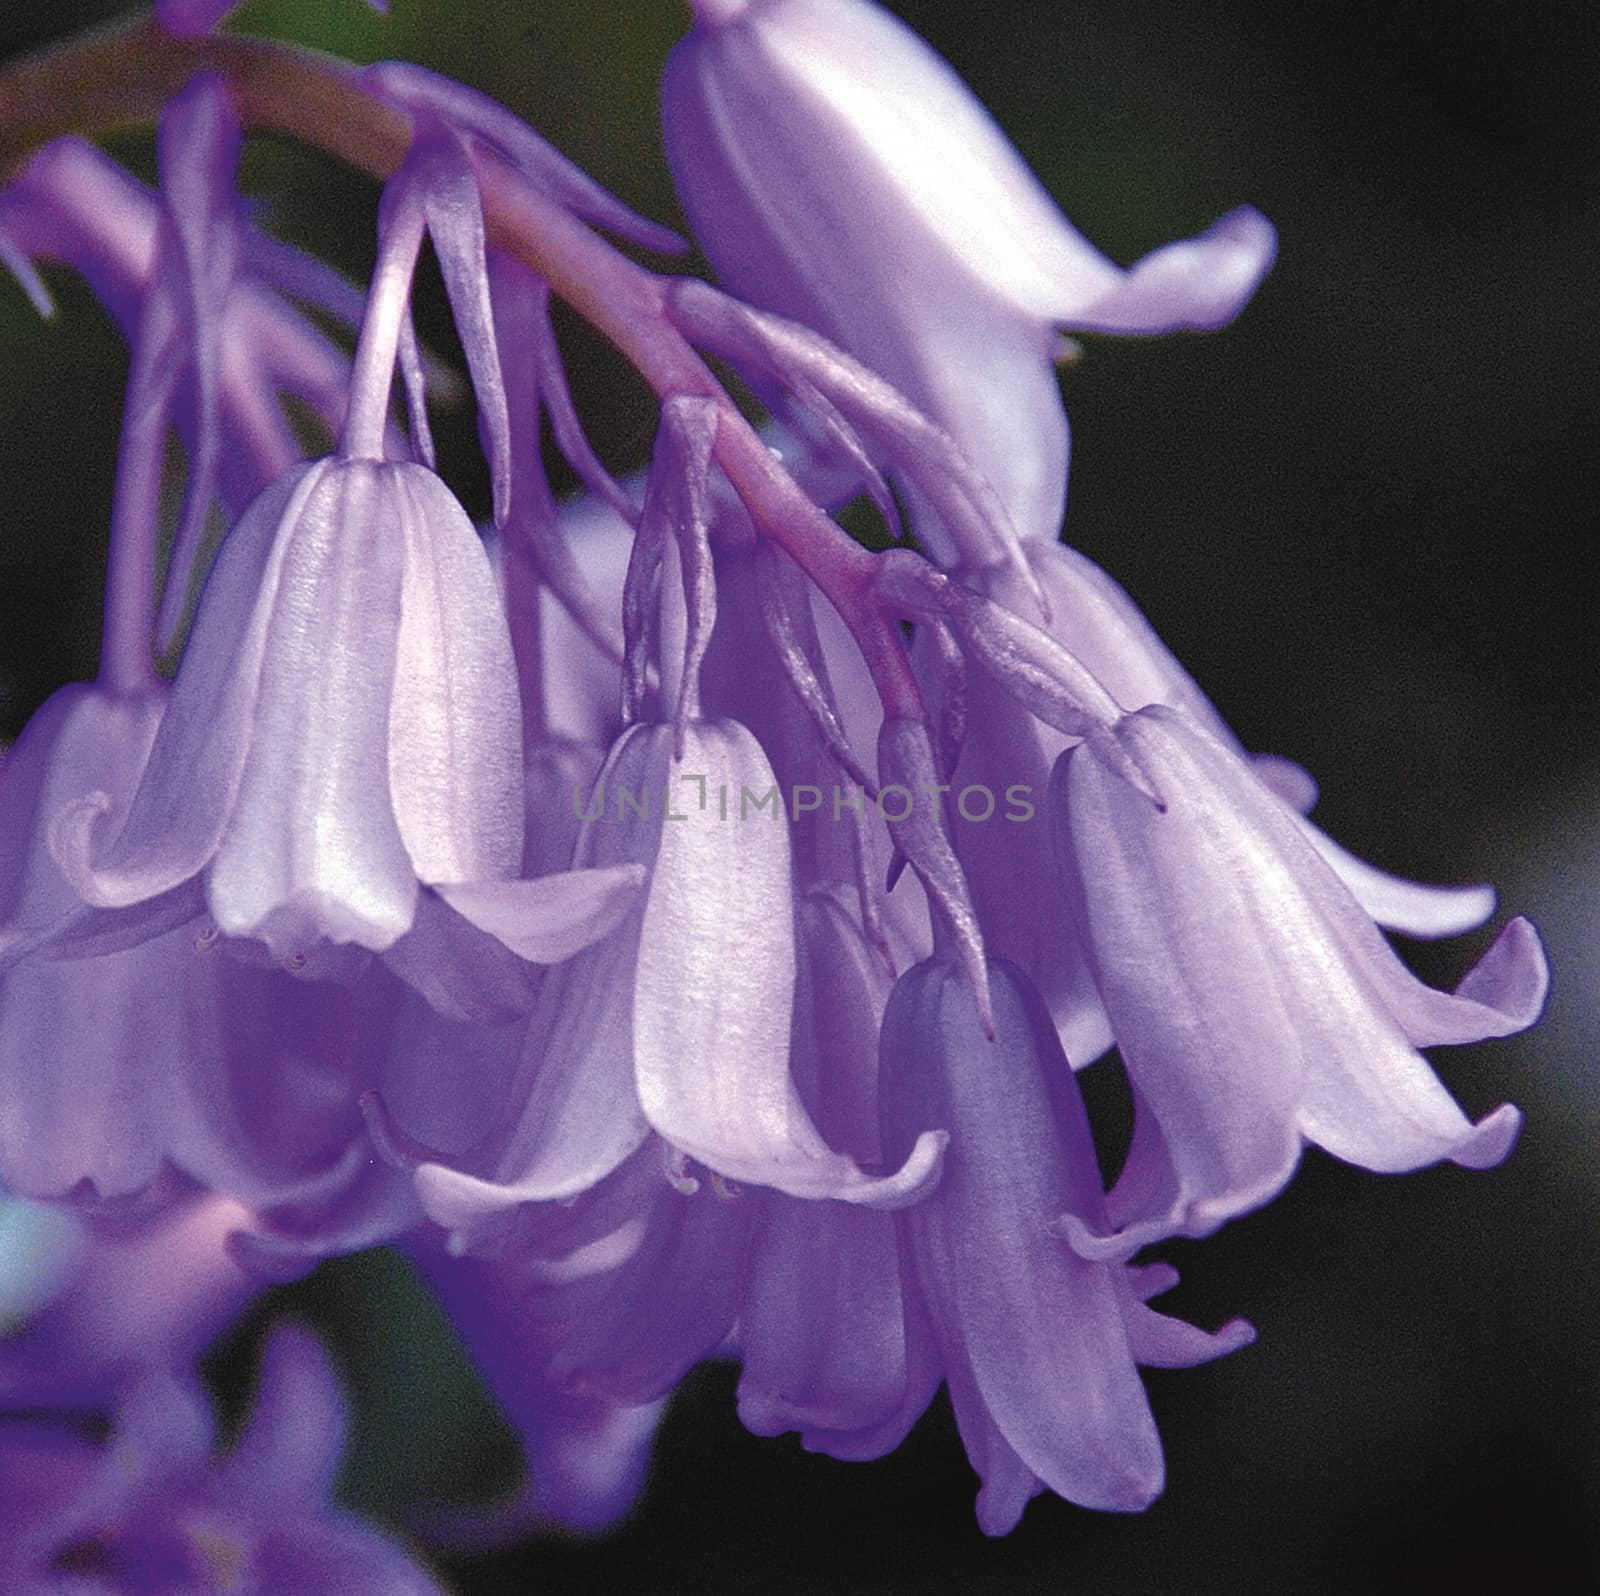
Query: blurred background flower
x=1363 y=517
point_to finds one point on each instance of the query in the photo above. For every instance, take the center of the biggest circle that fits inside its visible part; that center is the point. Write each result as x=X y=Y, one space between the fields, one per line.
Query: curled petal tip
x=1513 y=977
x=1491 y=1140
x=549 y=918
x=72 y=845
x=1095 y=1246
x=1233 y=1336
x=913 y=1180
x=456 y=1200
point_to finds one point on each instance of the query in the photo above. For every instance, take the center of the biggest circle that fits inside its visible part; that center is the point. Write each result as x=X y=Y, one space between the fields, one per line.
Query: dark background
x=1363 y=517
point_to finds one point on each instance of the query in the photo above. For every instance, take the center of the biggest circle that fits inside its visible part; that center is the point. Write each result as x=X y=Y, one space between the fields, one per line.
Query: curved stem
x=126 y=74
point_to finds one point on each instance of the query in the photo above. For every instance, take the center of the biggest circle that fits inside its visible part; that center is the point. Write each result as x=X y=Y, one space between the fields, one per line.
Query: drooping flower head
x=797 y=1087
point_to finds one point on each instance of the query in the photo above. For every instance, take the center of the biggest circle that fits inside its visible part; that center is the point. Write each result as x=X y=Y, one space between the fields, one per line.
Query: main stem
x=124 y=75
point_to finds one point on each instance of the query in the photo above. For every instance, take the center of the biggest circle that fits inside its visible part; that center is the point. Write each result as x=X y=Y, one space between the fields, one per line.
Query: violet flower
x=686 y=1008
x=837 y=171
x=117 y=1062
x=1255 y=1004
x=1008 y=749
x=152 y=1510
x=316 y=803
x=1038 y=1345
x=793 y=1089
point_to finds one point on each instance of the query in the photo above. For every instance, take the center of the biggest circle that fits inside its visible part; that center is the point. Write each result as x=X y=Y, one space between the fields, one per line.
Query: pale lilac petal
x=1034 y=1340
x=1293 y=783
x=1402 y=905
x=577 y=1117
x=185 y=800
x=1254 y=1002
x=819 y=145
x=312 y=847
x=553 y=917
x=454 y=761
x=859 y=109
x=714 y=993
x=1200 y=283
x=1162 y=1342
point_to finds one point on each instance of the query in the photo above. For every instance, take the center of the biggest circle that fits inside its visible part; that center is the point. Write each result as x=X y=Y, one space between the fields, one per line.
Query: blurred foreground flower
x=148 y=1509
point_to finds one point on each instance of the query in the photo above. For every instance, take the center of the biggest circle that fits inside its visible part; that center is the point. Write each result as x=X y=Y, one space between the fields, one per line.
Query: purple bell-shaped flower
x=1255 y=1003
x=837 y=171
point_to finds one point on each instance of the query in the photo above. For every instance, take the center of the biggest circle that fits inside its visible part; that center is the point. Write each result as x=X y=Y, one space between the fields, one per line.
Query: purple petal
x=289 y=1453
x=578 y=1116
x=1033 y=1336
x=715 y=985
x=1253 y=1002
x=1402 y=905
x=631 y=1333
x=821 y=1329
x=313 y=848
x=184 y=802
x=553 y=917
x=454 y=762
x=1200 y=283
x=586 y=1456
x=818 y=145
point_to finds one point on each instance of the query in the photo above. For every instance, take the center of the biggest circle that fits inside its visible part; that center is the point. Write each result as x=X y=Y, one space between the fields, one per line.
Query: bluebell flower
x=837 y=171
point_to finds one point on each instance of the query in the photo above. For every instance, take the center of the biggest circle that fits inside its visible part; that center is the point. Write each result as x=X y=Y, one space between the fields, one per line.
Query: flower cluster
x=674 y=924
